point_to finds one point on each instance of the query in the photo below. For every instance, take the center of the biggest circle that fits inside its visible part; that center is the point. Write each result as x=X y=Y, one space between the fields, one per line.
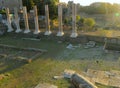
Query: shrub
x=89 y=22
x=2 y=12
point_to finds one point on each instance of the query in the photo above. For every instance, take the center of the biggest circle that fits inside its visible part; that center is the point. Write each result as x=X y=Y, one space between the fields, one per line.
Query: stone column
x=10 y=29
x=17 y=19
x=48 y=32
x=27 y=30
x=74 y=30
x=36 y=21
x=60 y=33
x=21 y=4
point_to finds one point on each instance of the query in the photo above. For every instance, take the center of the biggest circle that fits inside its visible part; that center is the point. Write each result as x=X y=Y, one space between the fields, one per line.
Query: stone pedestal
x=17 y=19
x=74 y=29
x=27 y=30
x=47 y=21
x=60 y=33
x=37 y=31
x=47 y=33
x=10 y=29
x=73 y=35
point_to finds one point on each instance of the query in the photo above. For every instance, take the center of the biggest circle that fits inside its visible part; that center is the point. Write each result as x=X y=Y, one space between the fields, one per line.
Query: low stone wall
x=96 y=38
x=112 y=43
x=65 y=38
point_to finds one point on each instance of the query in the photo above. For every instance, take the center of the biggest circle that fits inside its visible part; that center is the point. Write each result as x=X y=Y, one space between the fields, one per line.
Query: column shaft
x=36 y=21
x=48 y=32
x=26 y=20
x=17 y=19
x=74 y=30
x=60 y=33
x=10 y=29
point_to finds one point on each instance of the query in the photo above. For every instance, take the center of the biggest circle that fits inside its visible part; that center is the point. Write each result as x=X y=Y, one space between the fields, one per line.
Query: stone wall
x=111 y=43
x=11 y=3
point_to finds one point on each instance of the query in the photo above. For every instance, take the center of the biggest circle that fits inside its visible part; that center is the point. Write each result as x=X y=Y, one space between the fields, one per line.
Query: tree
x=77 y=18
x=29 y=4
x=53 y=7
x=52 y=4
x=41 y=6
x=2 y=11
x=100 y=8
x=81 y=21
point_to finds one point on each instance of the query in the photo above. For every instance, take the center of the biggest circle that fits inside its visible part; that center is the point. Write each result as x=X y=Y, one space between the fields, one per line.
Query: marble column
x=47 y=21
x=27 y=30
x=21 y=4
x=10 y=29
x=17 y=20
x=37 y=31
x=74 y=29
x=60 y=32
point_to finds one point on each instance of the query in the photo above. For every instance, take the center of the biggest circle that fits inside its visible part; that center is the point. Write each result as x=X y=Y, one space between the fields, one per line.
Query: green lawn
x=49 y=64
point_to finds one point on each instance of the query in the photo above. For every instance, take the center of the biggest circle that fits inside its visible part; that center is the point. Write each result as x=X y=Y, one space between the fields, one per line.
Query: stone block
x=45 y=85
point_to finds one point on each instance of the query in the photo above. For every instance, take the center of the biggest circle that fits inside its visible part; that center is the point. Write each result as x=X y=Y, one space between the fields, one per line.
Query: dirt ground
x=96 y=52
x=54 y=62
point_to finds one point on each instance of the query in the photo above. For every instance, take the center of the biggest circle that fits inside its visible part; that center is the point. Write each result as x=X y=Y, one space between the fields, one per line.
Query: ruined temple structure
x=48 y=31
x=11 y=4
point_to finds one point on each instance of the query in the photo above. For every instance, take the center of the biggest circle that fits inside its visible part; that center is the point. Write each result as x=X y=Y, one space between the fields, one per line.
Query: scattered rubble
x=89 y=78
x=45 y=85
x=27 y=49
x=34 y=39
x=7 y=74
x=59 y=41
x=108 y=78
x=77 y=80
x=81 y=82
x=58 y=77
x=23 y=59
x=68 y=73
x=2 y=76
x=3 y=55
x=70 y=46
x=90 y=44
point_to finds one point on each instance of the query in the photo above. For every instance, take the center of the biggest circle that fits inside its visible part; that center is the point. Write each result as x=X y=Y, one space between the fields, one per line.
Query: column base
x=60 y=33
x=18 y=30
x=73 y=35
x=47 y=33
x=26 y=31
x=36 y=32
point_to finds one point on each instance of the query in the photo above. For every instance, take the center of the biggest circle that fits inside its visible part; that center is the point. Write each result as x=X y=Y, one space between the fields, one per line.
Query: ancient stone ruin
x=16 y=20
